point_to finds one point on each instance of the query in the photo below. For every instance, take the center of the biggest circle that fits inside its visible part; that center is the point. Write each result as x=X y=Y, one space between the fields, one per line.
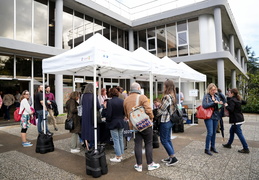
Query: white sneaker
x=138 y=168
x=115 y=159
x=153 y=166
x=74 y=150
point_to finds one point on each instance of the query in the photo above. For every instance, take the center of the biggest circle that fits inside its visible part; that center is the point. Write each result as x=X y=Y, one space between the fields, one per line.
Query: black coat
x=235 y=110
x=114 y=113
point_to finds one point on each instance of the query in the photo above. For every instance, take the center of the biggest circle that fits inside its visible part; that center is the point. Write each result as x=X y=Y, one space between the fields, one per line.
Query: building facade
x=200 y=33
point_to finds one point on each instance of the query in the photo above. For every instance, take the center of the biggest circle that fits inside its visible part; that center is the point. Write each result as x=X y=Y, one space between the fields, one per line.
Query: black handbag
x=69 y=124
x=177 y=116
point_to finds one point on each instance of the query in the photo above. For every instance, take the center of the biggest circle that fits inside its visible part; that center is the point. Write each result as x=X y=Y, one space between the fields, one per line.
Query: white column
x=239 y=56
x=233 y=78
x=218 y=29
x=207 y=34
x=221 y=74
x=58 y=44
x=131 y=40
x=231 y=45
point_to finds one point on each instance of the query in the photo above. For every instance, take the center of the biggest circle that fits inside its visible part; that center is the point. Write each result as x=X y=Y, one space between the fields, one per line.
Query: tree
x=252 y=87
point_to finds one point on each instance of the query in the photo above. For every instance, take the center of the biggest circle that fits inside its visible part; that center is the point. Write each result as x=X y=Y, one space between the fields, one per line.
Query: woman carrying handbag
x=211 y=100
x=72 y=113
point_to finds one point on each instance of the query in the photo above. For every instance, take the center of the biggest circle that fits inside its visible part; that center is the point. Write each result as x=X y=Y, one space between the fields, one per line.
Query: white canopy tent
x=95 y=57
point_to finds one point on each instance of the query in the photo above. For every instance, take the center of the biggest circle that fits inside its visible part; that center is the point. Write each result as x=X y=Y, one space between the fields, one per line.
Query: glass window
x=23 y=66
x=194 y=36
x=67 y=28
x=51 y=23
x=182 y=38
x=98 y=26
x=151 y=44
x=6 y=65
x=151 y=32
x=40 y=22
x=36 y=70
x=126 y=37
x=78 y=28
x=121 y=39
x=89 y=27
x=161 y=42
x=181 y=26
x=171 y=40
x=7 y=18
x=142 y=39
x=106 y=30
x=24 y=20
x=114 y=34
x=183 y=50
x=135 y=40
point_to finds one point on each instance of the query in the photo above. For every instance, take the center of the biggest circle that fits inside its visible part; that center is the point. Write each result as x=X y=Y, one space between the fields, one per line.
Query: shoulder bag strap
x=137 y=100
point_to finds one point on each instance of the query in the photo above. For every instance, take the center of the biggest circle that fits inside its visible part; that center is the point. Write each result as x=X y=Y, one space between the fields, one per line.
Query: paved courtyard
x=17 y=162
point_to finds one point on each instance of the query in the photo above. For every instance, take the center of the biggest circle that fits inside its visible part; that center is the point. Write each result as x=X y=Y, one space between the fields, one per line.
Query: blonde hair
x=210 y=86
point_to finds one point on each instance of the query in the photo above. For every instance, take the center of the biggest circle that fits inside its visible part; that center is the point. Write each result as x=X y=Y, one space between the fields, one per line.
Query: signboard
x=79 y=80
x=193 y=92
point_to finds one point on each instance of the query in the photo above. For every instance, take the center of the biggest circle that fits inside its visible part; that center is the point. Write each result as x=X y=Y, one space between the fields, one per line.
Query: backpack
x=138 y=117
x=17 y=117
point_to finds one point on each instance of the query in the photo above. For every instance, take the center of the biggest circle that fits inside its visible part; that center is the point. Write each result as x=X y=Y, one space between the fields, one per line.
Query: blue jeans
x=165 y=137
x=211 y=125
x=237 y=129
x=117 y=136
x=40 y=120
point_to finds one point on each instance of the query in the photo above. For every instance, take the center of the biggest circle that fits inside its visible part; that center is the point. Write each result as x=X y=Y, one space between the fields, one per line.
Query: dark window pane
x=142 y=39
x=23 y=66
x=6 y=65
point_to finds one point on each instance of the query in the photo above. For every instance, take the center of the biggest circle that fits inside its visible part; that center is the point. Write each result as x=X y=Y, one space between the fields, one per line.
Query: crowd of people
x=115 y=107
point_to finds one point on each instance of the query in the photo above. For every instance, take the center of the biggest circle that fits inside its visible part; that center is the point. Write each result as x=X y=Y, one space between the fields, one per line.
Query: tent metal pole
x=44 y=117
x=151 y=89
x=95 y=109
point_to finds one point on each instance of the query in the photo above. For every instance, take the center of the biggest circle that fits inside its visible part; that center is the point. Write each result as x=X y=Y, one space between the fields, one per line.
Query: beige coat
x=130 y=102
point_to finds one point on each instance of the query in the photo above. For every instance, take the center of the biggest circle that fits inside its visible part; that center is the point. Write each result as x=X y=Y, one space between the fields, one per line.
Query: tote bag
x=204 y=113
x=138 y=117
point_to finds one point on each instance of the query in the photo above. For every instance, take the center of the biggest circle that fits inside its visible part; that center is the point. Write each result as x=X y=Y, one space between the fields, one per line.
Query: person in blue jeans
x=236 y=118
x=114 y=113
x=166 y=125
x=40 y=110
x=211 y=100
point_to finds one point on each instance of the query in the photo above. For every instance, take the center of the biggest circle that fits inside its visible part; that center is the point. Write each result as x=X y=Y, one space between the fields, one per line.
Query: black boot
x=213 y=150
x=226 y=145
x=208 y=152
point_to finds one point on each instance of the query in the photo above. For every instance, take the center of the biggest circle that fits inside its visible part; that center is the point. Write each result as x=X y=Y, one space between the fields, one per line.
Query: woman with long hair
x=236 y=119
x=211 y=100
x=166 y=110
x=25 y=110
x=71 y=106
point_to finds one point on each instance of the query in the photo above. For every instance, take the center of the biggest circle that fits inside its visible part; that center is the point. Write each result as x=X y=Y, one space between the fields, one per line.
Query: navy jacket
x=235 y=111
x=114 y=113
x=208 y=102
